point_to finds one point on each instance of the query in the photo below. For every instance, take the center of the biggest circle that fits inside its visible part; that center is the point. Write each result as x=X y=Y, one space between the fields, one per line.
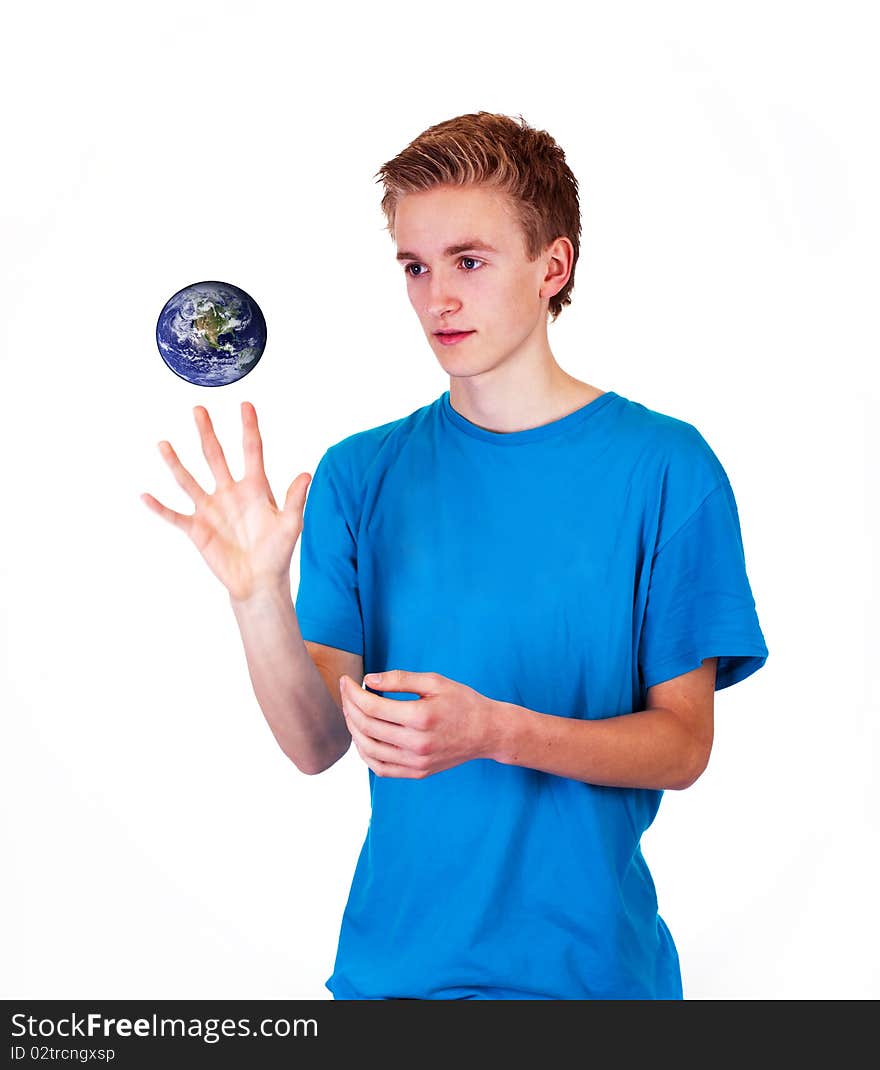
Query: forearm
x=647 y=749
x=302 y=714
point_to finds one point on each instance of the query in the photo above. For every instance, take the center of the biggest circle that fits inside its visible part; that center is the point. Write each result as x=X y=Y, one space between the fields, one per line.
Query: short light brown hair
x=509 y=156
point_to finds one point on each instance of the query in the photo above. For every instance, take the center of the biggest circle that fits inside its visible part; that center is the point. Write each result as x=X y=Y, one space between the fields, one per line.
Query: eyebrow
x=454 y=250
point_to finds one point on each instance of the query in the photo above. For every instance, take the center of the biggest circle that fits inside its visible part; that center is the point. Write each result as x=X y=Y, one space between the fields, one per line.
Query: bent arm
x=664 y=746
x=305 y=718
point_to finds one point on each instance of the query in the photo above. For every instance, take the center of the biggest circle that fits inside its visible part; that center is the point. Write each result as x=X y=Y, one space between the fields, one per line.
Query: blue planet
x=211 y=333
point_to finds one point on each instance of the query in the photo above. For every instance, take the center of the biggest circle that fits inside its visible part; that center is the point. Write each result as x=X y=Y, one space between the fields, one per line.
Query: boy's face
x=496 y=295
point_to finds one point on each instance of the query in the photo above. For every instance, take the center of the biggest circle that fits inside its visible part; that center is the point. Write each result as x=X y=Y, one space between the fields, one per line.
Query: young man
x=548 y=579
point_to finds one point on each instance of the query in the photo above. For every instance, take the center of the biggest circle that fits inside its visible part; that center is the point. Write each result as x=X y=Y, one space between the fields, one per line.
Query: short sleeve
x=700 y=602
x=327 y=603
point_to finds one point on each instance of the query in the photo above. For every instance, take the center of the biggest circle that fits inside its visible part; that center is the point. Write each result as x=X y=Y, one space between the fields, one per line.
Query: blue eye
x=470 y=271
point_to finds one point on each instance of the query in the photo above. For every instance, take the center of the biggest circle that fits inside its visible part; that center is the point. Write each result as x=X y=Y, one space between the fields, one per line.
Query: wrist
x=505 y=722
x=264 y=596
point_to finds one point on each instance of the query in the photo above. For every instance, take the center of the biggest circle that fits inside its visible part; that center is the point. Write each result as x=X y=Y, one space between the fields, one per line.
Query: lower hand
x=449 y=724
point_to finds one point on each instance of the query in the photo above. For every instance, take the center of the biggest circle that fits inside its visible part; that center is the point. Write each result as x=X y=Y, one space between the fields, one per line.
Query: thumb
x=294 y=500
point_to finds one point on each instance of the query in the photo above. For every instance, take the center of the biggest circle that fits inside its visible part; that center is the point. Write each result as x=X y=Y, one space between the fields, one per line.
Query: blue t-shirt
x=565 y=568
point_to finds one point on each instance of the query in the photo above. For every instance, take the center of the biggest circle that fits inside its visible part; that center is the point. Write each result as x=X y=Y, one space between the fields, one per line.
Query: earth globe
x=211 y=333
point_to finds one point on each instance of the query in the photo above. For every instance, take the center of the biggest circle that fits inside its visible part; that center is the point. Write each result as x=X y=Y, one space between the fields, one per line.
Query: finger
x=390 y=769
x=418 y=683
x=377 y=751
x=382 y=731
x=179 y=520
x=211 y=447
x=387 y=710
x=181 y=475
x=253 y=444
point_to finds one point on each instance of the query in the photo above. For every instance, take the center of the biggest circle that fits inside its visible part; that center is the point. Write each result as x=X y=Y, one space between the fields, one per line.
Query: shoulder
x=671 y=445
x=354 y=458
x=672 y=465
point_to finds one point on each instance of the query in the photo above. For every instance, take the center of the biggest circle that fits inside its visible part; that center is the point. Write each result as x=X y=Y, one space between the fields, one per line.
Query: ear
x=560 y=259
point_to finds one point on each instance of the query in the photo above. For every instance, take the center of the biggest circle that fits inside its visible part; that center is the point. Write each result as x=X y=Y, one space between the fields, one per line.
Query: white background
x=156 y=842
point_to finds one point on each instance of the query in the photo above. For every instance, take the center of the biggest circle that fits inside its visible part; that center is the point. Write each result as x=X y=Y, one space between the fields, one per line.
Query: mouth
x=449 y=338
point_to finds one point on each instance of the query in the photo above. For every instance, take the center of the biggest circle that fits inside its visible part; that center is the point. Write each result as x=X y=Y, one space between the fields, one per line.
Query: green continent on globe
x=211 y=324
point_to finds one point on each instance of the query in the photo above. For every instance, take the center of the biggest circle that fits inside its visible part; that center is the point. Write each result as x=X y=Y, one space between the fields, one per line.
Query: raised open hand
x=245 y=538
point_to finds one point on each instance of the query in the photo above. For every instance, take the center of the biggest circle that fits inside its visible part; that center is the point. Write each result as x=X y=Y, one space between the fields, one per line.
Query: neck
x=515 y=398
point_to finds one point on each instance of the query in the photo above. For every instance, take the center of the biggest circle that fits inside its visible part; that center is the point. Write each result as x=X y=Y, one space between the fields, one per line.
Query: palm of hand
x=245 y=539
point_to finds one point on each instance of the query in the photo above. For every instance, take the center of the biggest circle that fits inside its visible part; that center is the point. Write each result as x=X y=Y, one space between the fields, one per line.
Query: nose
x=441 y=297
